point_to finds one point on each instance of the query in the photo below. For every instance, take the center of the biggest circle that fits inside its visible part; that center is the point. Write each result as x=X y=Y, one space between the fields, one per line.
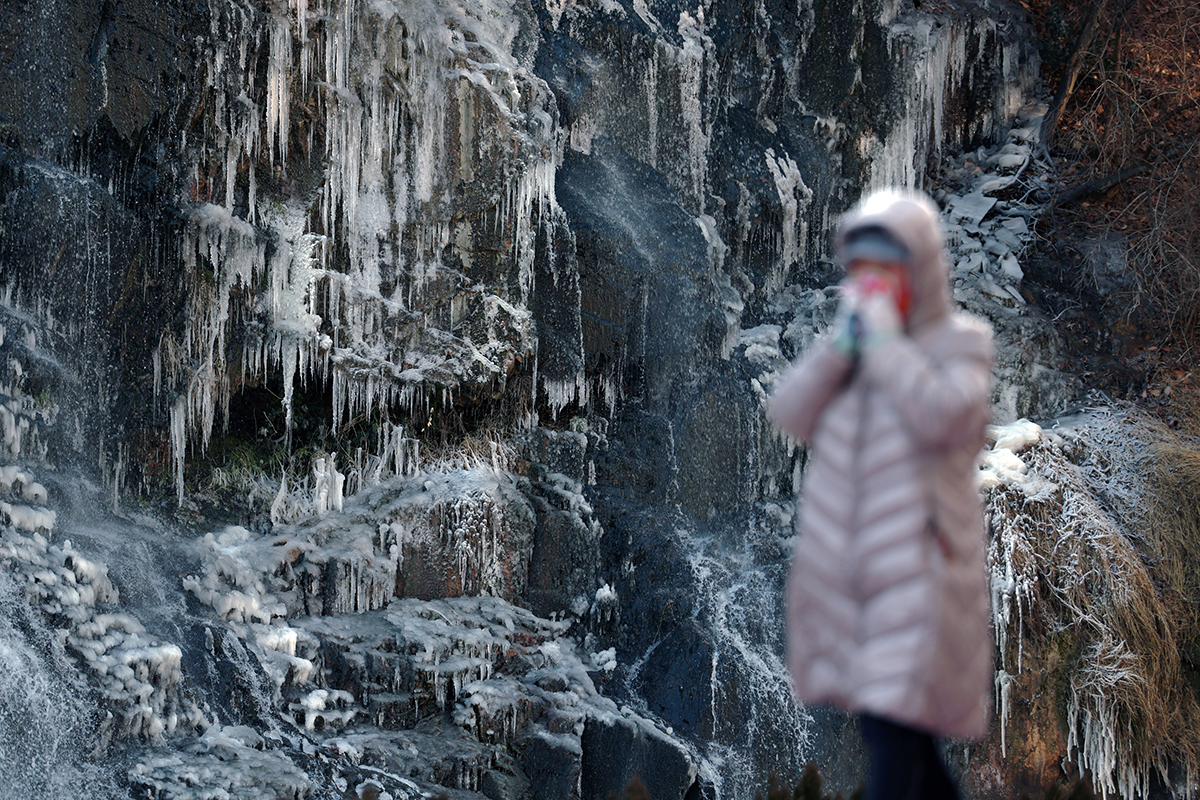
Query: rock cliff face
x=434 y=300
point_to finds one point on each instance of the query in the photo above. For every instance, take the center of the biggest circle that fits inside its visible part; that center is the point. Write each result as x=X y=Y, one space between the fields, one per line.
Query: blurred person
x=887 y=604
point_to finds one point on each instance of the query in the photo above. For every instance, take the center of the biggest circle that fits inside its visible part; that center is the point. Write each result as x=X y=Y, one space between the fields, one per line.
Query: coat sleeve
x=800 y=398
x=943 y=399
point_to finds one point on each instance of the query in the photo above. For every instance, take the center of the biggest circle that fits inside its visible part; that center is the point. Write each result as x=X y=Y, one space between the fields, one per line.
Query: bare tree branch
x=1071 y=74
x=1077 y=193
x=1103 y=184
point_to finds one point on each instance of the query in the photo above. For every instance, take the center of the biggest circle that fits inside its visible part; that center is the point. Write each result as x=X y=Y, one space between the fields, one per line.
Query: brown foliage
x=809 y=788
x=1080 y=791
x=1129 y=135
x=634 y=790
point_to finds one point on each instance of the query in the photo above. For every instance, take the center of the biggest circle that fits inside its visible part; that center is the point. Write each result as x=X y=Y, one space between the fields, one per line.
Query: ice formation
x=1012 y=592
x=661 y=120
x=494 y=670
x=469 y=528
x=225 y=762
x=736 y=594
x=44 y=747
x=794 y=197
x=493 y=666
x=937 y=58
x=138 y=675
x=388 y=80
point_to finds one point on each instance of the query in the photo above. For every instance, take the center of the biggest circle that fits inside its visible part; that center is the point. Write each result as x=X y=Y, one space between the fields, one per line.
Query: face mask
x=874 y=277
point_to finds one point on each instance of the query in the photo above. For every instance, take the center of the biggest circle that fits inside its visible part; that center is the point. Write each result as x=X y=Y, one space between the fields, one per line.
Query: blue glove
x=847 y=327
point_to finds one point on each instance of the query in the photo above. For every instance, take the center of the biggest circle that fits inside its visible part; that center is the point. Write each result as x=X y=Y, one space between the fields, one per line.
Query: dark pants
x=905 y=764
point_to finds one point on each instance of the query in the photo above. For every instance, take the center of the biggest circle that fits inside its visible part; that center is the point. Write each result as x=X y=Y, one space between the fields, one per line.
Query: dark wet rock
x=671 y=678
x=563 y=564
x=642 y=265
x=236 y=681
x=615 y=750
x=501 y=785
x=552 y=762
x=557 y=309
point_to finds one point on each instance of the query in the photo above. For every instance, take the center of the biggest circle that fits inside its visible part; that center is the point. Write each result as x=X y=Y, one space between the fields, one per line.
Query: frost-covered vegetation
x=1124 y=135
x=1094 y=589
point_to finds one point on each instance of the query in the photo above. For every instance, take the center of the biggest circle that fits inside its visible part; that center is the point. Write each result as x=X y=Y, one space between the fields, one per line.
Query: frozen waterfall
x=382 y=379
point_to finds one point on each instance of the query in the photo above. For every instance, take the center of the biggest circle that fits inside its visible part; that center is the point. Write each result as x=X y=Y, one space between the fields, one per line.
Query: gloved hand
x=847 y=324
x=869 y=313
x=880 y=319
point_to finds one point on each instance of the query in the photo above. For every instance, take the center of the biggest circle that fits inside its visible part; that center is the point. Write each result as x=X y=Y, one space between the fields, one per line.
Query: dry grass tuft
x=1173 y=524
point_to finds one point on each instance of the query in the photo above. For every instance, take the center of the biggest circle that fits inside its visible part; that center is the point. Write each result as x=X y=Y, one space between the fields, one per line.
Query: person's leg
x=893 y=760
x=936 y=783
x=904 y=763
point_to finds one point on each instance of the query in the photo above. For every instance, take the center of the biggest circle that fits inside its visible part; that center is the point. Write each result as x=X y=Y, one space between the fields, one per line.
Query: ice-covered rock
x=138 y=676
x=435 y=534
x=221 y=764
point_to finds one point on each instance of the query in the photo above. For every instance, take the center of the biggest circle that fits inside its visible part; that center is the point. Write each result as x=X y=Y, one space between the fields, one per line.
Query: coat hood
x=913 y=220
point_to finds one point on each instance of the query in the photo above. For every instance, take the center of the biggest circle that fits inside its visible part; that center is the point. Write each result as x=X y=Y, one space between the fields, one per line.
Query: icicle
x=156 y=361
x=794 y=197
x=337 y=484
x=178 y=442
x=1004 y=683
x=279 y=64
x=277 y=507
x=291 y=362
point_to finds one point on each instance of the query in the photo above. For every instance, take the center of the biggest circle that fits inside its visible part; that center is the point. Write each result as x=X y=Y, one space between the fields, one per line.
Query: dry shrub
x=634 y=790
x=479 y=449
x=1136 y=111
x=1111 y=585
x=810 y=787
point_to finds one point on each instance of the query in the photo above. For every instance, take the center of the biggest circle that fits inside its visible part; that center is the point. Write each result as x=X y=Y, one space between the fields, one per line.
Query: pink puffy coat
x=887 y=605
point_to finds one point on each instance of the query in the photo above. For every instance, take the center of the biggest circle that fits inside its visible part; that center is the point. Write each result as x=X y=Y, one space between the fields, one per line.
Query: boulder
x=615 y=749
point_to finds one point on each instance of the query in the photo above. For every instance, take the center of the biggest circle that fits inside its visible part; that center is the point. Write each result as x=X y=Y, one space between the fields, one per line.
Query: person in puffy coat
x=887 y=603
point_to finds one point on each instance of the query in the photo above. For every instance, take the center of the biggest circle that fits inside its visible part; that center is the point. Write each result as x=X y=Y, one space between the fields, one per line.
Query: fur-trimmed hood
x=913 y=220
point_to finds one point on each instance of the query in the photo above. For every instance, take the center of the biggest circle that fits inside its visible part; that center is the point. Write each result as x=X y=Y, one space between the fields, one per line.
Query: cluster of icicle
x=137 y=674
x=468 y=520
x=383 y=78
x=937 y=59
x=1013 y=585
x=328 y=483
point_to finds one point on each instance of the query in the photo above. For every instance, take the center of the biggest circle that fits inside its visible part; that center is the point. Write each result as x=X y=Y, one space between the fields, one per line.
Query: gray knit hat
x=872 y=242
